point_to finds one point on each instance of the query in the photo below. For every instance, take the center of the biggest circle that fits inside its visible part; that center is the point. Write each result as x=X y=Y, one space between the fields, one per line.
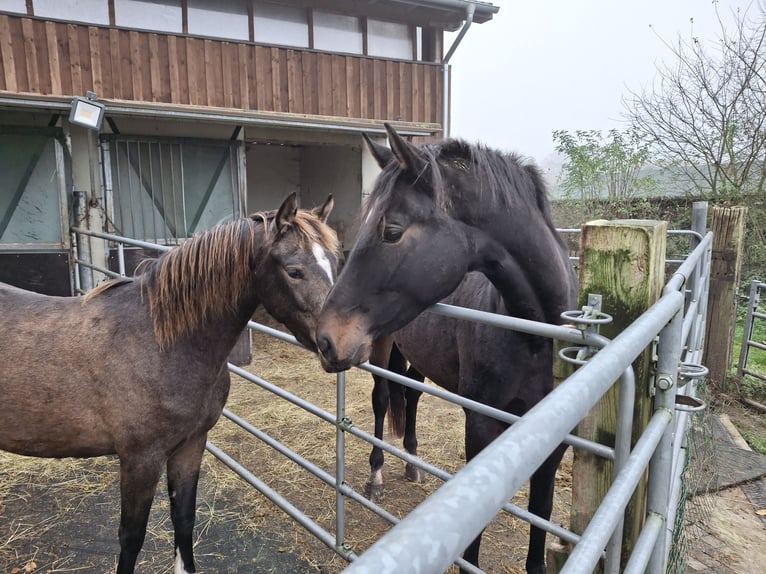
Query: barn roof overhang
x=441 y=14
x=151 y=110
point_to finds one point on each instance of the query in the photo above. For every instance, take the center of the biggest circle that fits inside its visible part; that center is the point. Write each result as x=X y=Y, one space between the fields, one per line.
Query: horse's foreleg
x=411 y=397
x=379 y=356
x=139 y=476
x=480 y=430
x=183 y=475
x=541 y=503
x=373 y=489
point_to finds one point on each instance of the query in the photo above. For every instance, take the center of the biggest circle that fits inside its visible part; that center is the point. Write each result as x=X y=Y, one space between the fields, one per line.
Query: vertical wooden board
x=115 y=63
x=438 y=97
x=294 y=82
x=18 y=54
x=339 y=101
x=324 y=84
x=174 y=70
x=392 y=89
x=430 y=95
x=164 y=69
x=213 y=74
x=263 y=79
x=195 y=64
x=243 y=75
x=405 y=92
x=379 y=89
x=62 y=49
x=228 y=61
x=276 y=80
x=105 y=61
x=75 y=66
x=54 y=71
x=126 y=71
x=6 y=54
x=365 y=88
x=309 y=79
x=94 y=41
x=137 y=65
x=353 y=87
x=417 y=93
x=86 y=67
x=145 y=69
x=30 y=55
x=155 y=87
x=279 y=59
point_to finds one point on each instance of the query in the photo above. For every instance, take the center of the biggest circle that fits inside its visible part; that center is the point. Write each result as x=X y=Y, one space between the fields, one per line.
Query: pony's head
x=436 y=212
x=299 y=265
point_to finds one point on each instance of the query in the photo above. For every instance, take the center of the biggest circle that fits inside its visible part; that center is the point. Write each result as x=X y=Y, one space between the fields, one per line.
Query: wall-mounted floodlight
x=87 y=111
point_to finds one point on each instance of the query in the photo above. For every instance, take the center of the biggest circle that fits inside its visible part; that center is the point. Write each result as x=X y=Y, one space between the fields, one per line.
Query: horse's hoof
x=414 y=474
x=373 y=492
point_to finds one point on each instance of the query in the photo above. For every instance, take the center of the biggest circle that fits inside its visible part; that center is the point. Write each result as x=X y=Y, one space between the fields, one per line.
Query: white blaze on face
x=324 y=262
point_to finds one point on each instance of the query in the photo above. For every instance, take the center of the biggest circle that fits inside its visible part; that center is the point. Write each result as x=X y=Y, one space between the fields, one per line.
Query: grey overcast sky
x=543 y=65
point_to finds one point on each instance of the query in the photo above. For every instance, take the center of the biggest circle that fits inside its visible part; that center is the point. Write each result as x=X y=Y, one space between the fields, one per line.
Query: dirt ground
x=62 y=516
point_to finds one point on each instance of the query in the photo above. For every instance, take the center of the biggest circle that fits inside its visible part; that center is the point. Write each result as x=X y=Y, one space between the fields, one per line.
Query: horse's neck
x=537 y=284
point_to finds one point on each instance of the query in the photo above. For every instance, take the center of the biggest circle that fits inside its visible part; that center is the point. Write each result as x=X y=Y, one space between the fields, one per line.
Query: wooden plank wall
x=63 y=59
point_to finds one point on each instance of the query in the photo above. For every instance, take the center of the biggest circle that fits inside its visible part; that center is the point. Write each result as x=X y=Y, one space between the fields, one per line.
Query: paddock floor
x=62 y=516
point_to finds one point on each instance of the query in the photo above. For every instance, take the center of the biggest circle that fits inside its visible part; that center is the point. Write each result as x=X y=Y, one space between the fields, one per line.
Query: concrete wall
x=273 y=172
x=336 y=170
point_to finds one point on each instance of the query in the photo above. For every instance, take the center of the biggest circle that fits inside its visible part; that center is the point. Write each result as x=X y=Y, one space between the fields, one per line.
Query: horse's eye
x=294 y=273
x=392 y=234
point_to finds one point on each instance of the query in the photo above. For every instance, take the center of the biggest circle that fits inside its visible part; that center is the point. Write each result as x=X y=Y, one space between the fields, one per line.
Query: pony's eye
x=294 y=273
x=392 y=234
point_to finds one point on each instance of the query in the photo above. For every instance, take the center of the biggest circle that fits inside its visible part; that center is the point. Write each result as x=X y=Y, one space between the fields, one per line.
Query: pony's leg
x=541 y=503
x=379 y=356
x=183 y=475
x=411 y=397
x=139 y=476
x=479 y=432
x=373 y=489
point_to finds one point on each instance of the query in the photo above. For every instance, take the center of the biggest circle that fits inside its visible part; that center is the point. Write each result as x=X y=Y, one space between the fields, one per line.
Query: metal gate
x=753 y=314
x=433 y=536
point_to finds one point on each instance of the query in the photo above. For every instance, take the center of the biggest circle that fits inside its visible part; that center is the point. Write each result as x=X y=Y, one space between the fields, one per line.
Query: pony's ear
x=405 y=153
x=286 y=212
x=381 y=153
x=323 y=211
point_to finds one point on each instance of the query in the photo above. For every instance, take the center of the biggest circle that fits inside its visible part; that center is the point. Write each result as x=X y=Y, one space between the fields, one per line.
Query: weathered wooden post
x=624 y=262
x=728 y=226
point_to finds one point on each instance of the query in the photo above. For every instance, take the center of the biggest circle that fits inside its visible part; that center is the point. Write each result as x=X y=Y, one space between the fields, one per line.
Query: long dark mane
x=208 y=274
x=503 y=179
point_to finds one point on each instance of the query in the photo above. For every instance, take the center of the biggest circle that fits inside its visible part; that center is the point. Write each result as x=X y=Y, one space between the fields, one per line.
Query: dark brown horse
x=473 y=225
x=138 y=368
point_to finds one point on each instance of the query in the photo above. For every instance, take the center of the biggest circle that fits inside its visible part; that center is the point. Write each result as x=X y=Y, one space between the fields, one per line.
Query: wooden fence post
x=728 y=226
x=624 y=262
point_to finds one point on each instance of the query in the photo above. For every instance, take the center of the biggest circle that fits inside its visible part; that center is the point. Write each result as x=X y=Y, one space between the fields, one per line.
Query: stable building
x=156 y=119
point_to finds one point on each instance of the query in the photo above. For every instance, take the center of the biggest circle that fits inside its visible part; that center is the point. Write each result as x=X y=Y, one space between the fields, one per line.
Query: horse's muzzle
x=341 y=344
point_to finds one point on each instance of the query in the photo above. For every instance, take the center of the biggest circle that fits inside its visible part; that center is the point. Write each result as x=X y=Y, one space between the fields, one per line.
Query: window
x=222 y=19
x=160 y=15
x=279 y=24
x=337 y=33
x=19 y=6
x=90 y=11
x=165 y=190
x=30 y=210
x=389 y=39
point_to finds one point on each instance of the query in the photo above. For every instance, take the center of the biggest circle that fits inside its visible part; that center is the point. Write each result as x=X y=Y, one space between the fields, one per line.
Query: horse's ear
x=381 y=153
x=287 y=211
x=405 y=153
x=323 y=211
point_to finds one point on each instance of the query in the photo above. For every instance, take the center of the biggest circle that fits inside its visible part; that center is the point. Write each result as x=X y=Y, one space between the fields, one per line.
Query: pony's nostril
x=325 y=347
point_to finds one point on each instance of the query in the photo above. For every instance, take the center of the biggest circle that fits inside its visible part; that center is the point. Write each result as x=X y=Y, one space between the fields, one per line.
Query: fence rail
x=748 y=342
x=432 y=537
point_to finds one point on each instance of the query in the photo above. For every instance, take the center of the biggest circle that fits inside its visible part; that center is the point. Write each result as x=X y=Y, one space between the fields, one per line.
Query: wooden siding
x=64 y=59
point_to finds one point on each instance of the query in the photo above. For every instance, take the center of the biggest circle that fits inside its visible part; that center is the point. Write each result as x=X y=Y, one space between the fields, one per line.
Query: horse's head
x=409 y=253
x=296 y=274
